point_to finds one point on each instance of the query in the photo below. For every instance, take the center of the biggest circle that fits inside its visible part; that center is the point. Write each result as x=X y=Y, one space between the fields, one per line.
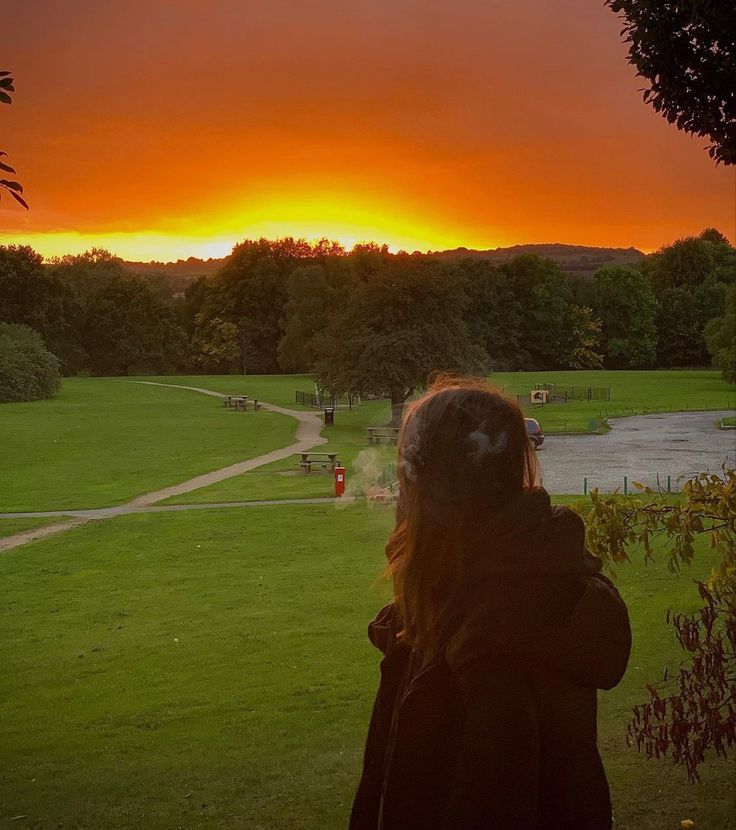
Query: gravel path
x=675 y=444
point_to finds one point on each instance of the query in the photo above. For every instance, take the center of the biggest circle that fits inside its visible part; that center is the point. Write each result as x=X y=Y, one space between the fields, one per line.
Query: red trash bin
x=339 y=481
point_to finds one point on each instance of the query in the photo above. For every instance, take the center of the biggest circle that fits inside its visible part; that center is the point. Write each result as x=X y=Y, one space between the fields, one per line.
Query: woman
x=501 y=630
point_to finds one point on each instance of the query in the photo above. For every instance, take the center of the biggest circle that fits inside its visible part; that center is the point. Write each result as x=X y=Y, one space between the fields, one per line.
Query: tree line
x=370 y=321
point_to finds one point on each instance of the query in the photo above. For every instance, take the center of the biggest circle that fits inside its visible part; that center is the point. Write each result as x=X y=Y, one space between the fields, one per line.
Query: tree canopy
x=687 y=53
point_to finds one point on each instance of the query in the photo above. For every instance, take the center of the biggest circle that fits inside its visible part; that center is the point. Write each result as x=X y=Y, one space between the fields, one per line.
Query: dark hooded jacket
x=498 y=732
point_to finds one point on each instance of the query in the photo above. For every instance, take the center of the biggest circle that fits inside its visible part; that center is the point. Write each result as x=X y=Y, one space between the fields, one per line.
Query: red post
x=339 y=481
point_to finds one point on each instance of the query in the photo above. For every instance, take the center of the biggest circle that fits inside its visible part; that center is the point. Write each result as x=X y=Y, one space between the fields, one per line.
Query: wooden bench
x=378 y=434
x=326 y=460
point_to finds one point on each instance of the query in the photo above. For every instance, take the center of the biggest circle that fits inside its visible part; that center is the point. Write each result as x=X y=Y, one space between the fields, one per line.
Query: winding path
x=308 y=435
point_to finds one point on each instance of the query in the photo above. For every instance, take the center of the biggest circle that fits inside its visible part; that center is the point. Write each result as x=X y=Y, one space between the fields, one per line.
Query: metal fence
x=575 y=393
x=318 y=400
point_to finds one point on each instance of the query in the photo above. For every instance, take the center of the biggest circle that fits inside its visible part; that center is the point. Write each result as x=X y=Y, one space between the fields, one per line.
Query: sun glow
x=333 y=216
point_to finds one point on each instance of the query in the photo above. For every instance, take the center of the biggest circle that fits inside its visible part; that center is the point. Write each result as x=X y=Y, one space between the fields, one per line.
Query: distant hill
x=580 y=260
x=574 y=259
x=175 y=275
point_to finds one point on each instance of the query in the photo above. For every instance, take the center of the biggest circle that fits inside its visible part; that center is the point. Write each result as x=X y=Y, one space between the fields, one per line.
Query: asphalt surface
x=644 y=448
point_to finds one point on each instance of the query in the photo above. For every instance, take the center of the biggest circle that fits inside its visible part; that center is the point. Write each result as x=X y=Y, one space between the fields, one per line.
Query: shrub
x=28 y=370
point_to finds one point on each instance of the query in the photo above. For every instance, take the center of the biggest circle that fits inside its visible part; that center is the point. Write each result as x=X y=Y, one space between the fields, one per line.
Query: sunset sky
x=162 y=129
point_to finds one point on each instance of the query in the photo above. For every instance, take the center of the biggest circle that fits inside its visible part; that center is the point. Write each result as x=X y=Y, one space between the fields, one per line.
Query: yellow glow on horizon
x=332 y=216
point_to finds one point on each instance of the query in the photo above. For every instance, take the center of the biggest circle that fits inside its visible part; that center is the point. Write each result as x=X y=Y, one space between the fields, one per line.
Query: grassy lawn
x=104 y=441
x=276 y=389
x=632 y=393
x=211 y=669
x=728 y=422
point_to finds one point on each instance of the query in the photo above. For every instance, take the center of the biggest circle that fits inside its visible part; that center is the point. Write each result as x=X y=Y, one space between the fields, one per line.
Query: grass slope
x=211 y=669
x=103 y=441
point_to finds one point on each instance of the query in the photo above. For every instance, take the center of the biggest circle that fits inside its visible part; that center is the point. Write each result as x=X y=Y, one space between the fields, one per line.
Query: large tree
x=250 y=291
x=720 y=338
x=686 y=51
x=625 y=303
x=130 y=328
x=493 y=314
x=544 y=300
x=398 y=327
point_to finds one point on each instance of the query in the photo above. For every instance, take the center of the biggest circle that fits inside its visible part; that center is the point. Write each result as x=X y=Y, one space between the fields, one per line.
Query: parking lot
x=644 y=448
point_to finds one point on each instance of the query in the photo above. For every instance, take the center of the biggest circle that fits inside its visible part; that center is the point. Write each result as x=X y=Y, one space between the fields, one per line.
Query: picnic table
x=378 y=434
x=319 y=459
x=241 y=402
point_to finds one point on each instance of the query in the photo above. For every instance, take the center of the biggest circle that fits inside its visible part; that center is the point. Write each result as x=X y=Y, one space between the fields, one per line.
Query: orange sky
x=168 y=128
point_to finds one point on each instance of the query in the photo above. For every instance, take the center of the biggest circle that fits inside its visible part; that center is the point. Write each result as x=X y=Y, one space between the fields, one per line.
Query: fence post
x=669 y=484
x=585 y=486
x=626 y=485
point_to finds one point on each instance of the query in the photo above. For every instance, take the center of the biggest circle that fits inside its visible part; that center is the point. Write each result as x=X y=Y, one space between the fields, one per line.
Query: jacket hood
x=534 y=594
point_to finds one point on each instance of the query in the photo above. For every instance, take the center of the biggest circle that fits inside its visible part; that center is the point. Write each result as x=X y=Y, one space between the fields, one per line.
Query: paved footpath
x=308 y=435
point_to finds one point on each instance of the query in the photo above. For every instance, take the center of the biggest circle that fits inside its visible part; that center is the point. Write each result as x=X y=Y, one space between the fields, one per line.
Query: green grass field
x=632 y=393
x=211 y=669
x=102 y=442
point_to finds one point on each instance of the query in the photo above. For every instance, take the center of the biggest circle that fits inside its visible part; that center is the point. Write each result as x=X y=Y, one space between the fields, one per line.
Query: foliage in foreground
x=28 y=370
x=687 y=53
x=695 y=711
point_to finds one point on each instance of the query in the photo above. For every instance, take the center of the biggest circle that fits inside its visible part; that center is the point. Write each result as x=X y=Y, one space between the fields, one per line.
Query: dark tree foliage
x=494 y=314
x=686 y=50
x=250 y=292
x=396 y=329
x=544 y=300
x=720 y=338
x=32 y=295
x=15 y=189
x=625 y=303
x=689 y=279
x=129 y=328
x=28 y=370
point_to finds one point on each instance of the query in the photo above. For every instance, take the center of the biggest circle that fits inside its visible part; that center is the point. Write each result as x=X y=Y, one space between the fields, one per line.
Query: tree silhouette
x=7 y=85
x=687 y=53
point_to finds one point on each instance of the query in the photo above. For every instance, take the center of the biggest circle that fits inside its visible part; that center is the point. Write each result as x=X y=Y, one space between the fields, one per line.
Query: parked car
x=534 y=431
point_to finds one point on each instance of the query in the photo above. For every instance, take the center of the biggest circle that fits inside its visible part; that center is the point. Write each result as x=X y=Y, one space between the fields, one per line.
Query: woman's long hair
x=463 y=455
